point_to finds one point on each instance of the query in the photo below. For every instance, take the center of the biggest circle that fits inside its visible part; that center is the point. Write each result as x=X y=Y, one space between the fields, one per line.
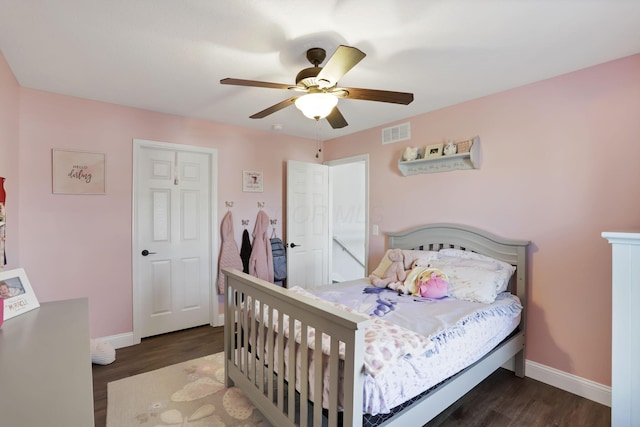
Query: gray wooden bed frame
x=249 y=347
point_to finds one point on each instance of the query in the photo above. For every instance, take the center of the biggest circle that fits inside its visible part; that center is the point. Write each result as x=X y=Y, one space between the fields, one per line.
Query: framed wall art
x=78 y=172
x=434 y=150
x=252 y=181
x=16 y=293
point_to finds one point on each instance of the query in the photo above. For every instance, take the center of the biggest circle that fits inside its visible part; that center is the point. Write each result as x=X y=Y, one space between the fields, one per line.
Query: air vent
x=396 y=133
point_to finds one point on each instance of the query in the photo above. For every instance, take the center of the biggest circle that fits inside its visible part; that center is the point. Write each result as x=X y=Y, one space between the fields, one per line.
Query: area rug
x=186 y=394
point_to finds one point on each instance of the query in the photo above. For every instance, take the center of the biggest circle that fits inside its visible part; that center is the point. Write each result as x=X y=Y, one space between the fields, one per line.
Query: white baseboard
x=126 y=339
x=120 y=340
x=573 y=384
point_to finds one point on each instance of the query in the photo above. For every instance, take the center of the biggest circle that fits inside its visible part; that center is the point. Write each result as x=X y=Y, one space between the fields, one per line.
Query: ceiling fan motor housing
x=307 y=77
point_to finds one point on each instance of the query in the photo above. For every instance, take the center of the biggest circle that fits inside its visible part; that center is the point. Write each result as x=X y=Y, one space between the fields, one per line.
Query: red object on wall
x=3 y=194
x=3 y=255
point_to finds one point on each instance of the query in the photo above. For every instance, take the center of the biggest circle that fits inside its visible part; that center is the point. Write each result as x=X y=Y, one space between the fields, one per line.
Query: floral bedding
x=384 y=342
x=411 y=343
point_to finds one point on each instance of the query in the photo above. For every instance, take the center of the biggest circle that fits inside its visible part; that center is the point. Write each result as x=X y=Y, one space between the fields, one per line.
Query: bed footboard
x=260 y=320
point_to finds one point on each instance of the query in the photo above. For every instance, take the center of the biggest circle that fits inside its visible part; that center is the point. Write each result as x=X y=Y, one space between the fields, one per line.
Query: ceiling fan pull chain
x=319 y=146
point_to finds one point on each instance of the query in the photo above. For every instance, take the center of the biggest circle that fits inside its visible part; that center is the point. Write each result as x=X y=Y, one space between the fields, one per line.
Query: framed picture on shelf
x=433 y=150
x=78 y=172
x=252 y=181
x=16 y=293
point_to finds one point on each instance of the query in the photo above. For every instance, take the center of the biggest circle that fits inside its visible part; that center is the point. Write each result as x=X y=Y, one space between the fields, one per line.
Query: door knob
x=293 y=245
x=146 y=252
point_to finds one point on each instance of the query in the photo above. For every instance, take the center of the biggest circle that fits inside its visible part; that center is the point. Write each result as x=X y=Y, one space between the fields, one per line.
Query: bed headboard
x=433 y=237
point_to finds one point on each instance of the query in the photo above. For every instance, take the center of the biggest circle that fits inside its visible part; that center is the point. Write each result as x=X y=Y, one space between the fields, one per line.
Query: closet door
x=174 y=283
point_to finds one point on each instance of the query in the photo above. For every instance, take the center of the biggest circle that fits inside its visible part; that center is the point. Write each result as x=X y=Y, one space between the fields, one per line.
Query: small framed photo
x=78 y=172
x=434 y=150
x=16 y=293
x=252 y=181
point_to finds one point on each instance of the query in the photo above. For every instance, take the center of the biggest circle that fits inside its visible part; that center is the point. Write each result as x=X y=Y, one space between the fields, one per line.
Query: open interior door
x=308 y=233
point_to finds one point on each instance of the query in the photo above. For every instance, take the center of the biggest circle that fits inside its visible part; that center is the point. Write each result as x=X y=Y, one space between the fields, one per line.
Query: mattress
x=461 y=333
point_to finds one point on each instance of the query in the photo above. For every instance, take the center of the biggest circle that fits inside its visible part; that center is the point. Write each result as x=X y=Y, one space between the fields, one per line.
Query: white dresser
x=625 y=360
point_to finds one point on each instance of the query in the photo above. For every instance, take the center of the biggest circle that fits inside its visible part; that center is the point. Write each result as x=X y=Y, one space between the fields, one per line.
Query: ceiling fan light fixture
x=316 y=105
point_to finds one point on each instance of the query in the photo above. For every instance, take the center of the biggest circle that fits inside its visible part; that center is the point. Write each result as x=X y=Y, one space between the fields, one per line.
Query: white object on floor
x=102 y=353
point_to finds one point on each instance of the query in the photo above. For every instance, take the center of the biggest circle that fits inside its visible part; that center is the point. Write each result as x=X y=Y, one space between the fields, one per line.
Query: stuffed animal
x=419 y=281
x=432 y=283
x=410 y=153
x=395 y=273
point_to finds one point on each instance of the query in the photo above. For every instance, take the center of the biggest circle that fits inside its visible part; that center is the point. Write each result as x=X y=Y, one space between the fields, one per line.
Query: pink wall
x=9 y=156
x=560 y=165
x=80 y=245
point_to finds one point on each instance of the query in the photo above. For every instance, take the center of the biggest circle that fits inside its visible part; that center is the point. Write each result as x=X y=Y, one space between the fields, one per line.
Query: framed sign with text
x=16 y=293
x=252 y=181
x=78 y=172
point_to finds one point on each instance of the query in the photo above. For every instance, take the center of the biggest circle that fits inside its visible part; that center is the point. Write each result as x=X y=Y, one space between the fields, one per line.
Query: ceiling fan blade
x=255 y=83
x=336 y=119
x=404 y=98
x=342 y=60
x=276 y=107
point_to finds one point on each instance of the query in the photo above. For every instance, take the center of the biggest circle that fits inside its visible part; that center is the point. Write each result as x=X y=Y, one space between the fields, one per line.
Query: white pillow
x=504 y=269
x=473 y=277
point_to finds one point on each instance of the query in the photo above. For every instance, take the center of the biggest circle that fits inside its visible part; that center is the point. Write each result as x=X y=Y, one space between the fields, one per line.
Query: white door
x=308 y=214
x=173 y=237
x=349 y=195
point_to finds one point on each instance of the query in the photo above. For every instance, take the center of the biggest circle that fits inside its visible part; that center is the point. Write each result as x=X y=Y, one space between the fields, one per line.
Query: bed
x=266 y=327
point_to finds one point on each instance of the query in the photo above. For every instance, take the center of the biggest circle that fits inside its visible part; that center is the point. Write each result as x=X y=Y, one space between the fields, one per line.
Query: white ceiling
x=169 y=55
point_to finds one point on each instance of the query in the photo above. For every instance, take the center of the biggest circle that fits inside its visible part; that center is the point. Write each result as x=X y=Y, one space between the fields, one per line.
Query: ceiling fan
x=319 y=87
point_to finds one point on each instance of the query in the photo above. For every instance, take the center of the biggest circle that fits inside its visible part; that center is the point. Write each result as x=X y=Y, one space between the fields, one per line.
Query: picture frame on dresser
x=16 y=293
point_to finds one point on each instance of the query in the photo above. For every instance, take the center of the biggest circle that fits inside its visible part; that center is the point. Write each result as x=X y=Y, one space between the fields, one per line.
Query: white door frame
x=354 y=159
x=138 y=144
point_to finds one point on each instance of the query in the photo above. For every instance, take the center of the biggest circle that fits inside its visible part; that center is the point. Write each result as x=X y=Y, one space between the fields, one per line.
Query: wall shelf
x=470 y=160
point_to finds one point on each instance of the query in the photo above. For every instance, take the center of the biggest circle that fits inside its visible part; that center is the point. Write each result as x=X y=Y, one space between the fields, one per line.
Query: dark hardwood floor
x=500 y=400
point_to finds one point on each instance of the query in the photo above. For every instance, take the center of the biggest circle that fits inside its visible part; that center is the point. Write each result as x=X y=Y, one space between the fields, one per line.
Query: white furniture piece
x=469 y=160
x=244 y=343
x=625 y=345
x=45 y=367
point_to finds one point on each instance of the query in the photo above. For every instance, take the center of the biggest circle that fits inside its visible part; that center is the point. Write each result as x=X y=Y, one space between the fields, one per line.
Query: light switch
x=375 y=230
